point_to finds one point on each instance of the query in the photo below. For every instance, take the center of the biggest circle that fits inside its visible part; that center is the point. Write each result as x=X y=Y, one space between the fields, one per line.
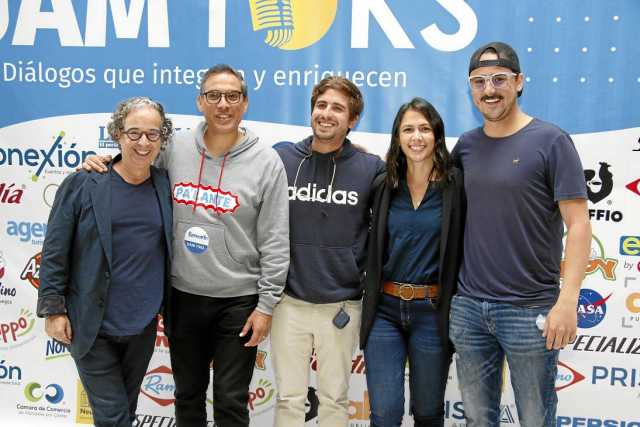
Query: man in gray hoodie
x=231 y=252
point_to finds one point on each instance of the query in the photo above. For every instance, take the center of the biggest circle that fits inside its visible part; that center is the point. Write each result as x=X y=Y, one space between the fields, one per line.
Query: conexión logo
x=57 y=158
x=567 y=376
x=31 y=271
x=10 y=374
x=158 y=386
x=592 y=308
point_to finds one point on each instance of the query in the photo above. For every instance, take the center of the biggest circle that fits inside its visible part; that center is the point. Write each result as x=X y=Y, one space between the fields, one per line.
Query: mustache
x=485 y=97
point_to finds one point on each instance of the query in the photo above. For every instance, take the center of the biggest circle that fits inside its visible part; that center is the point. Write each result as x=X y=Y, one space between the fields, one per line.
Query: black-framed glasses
x=498 y=80
x=135 y=134
x=214 y=96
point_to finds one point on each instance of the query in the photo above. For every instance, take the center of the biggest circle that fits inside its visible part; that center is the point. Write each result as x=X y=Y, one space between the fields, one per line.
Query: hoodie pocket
x=201 y=251
x=333 y=268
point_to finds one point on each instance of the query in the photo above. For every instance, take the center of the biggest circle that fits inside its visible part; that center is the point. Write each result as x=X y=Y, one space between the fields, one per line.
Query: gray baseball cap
x=507 y=57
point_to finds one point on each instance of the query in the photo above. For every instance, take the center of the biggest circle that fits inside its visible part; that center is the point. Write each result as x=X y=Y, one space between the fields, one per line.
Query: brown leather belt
x=408 y=291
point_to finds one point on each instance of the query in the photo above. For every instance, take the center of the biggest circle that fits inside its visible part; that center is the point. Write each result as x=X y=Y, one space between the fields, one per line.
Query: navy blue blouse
x=413 y=247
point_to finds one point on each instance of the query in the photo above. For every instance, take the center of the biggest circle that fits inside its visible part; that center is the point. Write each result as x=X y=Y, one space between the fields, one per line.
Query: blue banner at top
x=581 y=59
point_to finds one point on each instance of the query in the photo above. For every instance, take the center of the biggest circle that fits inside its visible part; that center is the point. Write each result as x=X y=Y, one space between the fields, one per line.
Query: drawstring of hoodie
x=308 y=156
x=224 y=160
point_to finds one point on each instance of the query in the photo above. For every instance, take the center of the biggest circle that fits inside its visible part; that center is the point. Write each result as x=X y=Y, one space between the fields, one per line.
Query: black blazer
x=75 y=271
x=453 y=214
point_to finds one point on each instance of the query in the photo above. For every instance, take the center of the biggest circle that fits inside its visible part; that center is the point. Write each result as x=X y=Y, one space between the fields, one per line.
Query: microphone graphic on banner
x=276 y=16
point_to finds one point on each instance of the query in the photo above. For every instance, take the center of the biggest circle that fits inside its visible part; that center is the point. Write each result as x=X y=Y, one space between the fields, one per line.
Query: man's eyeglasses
x=214 y=96
x=152 y=135
x=498 y=80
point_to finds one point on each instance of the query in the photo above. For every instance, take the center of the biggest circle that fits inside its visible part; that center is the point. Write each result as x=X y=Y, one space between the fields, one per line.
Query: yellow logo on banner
x=292 y=24
x=83 y=410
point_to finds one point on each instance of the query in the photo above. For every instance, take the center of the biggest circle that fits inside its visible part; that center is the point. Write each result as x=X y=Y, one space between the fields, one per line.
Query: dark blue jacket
x=329 y=215
x=75 y=270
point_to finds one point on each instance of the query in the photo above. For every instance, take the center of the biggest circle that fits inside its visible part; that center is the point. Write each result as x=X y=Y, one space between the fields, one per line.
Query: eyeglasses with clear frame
x=214 y=96
x=134 y=134
x=498 y=80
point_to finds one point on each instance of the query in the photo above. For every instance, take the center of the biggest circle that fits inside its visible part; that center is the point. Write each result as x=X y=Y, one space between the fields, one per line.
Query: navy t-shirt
x=138 y=248
x=513 y=232
x=413 y=248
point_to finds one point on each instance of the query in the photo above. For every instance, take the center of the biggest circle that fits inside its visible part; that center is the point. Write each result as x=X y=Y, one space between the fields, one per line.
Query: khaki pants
x=298 y=328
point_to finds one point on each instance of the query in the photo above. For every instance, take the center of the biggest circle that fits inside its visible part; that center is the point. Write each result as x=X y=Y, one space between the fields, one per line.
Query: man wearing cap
x=523 y=180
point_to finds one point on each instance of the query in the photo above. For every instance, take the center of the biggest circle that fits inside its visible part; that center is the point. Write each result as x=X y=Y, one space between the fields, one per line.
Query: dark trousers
x=112 y=372
x=205 y=329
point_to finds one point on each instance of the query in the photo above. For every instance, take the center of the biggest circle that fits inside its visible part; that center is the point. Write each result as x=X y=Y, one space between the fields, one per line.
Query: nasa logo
x=592 y=308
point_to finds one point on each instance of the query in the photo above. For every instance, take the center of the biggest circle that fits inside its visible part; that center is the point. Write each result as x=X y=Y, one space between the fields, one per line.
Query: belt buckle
x=401 y=292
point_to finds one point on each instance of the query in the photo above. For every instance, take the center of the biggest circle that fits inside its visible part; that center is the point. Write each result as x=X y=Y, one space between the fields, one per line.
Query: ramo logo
x=12 y=332
x=567 y=376
x=32 y=232
x=592 y=308
x=598 y=261
x=31 y=271
x=56 y=156
x=158 y=386
x=634 y=186
x=53 y=393
x=290 y=24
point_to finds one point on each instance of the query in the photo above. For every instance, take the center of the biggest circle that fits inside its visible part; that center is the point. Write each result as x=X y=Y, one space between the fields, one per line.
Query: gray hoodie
x=235 y=240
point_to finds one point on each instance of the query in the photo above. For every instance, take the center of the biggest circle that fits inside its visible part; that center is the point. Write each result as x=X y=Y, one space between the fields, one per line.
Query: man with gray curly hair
x=105 y=263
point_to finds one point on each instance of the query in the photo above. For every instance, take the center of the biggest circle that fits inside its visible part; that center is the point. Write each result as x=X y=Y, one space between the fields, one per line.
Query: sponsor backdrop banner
x=65 y=64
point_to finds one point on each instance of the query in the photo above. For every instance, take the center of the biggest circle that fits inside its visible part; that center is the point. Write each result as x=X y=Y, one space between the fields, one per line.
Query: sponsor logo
x=290 y=24
x=31 y=271
x=150 y=420
x=158 y=385
x=104 y=140
x=311 y=405
x=632 y=304
x=44 y=401
x=196 y=240
x=49 y=194
x=17 y=333
x=52 y=393
x=10 y=375
x=311 y=193
x=57 y=159
x=32 y=232
x=616 y=376
x=567 y=376
x=599 y=187
x=261 y=398
x=592 y=308
x=6 y=293
x=598 y=261
x=454 y=410
x=55 y=350
x=207 y=197
x=162 y=342
x=261 y=360
x=357 y=363
x=630 y=245
x=84 y=415
x=10 y=194
x=607 y=344
x=595 y=422
x=634 y=186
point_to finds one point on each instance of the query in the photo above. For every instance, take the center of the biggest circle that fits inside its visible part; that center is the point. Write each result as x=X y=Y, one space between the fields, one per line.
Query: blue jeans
x=404 y=329
x=484 y=333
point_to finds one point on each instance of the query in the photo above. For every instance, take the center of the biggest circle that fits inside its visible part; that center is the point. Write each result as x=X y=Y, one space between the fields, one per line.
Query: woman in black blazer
x=413 y=260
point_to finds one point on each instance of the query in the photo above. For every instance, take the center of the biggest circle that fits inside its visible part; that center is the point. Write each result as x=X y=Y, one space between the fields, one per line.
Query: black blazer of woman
x=453 y=214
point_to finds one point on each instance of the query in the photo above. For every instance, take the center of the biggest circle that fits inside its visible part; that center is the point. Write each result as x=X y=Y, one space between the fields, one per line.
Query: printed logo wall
x=64 y=65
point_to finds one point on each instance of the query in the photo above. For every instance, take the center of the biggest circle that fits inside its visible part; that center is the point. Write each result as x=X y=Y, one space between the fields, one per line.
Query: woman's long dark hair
x=397 y=161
